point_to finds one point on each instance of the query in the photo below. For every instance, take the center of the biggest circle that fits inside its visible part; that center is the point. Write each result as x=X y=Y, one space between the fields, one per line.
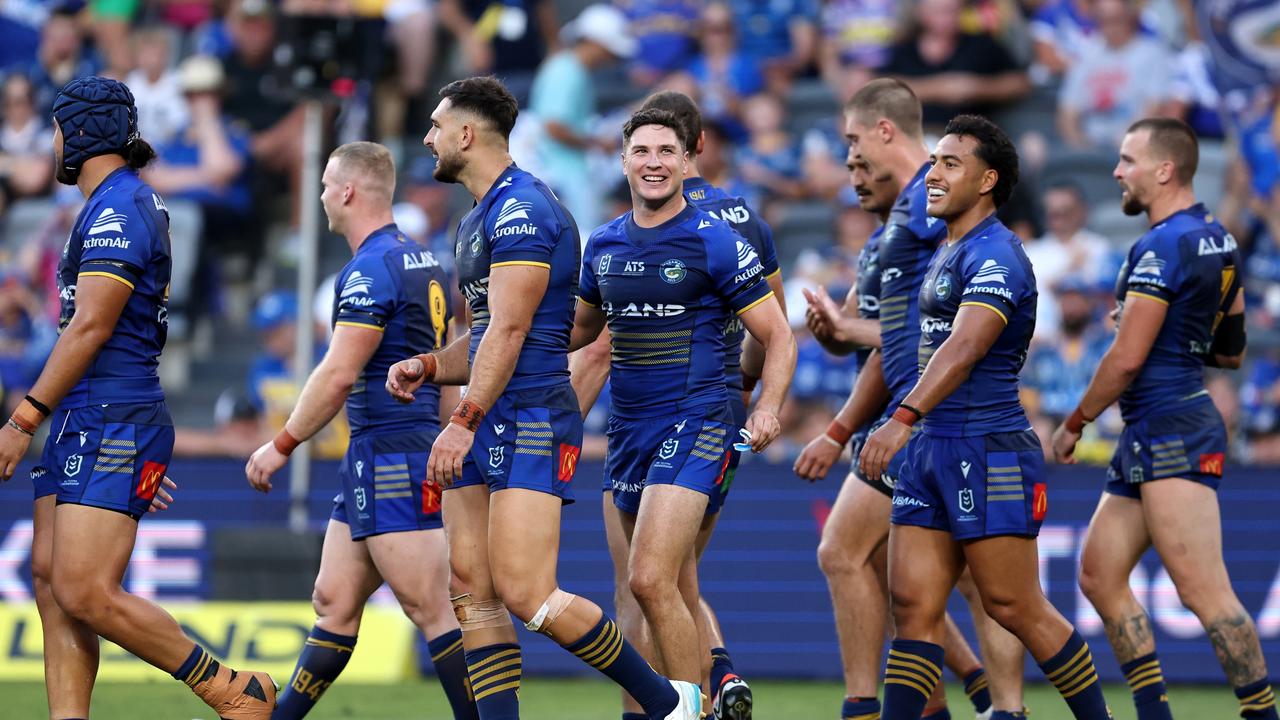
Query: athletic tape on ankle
x=475 y=614
x=557 y=602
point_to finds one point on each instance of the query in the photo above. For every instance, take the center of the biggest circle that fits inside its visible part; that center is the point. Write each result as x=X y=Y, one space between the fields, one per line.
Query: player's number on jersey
x=1228 y=279
x=436 y=297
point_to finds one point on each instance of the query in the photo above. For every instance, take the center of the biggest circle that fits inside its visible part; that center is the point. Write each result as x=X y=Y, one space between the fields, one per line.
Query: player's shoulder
x=610 y=231
x=521 y=197
x=996 y=245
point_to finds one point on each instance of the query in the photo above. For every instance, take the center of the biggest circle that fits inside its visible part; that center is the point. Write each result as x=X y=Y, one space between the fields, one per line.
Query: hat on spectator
x=200 y=74
x=275 y=309
x=604 y=25
x=97 y=117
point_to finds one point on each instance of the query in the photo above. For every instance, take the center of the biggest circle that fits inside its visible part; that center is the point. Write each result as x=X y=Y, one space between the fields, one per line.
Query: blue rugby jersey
x=667 y=293
x=909 y=240
x=756 y=231
x=520 y=222
x=1190 y=263
x=122 y=232
x=986 y=267
x=867 y=288
x=396 y=286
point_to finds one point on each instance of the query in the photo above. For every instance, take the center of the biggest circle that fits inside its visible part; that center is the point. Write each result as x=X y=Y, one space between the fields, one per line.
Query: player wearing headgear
x=1181 y=307
x=390 y=301
x=111 y=436
x=731 y=696
x=974 y=492
x=887 y=160
x=667 y=277
x=510 y=450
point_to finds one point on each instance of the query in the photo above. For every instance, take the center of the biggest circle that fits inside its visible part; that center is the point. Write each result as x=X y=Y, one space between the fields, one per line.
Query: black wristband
x=919 y=415
x=44 y=409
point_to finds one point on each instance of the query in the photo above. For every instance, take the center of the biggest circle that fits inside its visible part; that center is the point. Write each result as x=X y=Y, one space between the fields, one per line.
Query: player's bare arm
x=865 y=401
x=99 y=302
x=448 y=366
x=766 y=323
x=512 y=293
x=752 y=350
x=589 y=362
x=1139 y=325
x=839 y=329
x=322 y=397
x=976 y=329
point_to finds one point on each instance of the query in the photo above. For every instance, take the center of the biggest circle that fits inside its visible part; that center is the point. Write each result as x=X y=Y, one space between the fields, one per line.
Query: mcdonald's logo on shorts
x=1039 y=501
x=568 y=462
x=149 y=481
x=1211 y=464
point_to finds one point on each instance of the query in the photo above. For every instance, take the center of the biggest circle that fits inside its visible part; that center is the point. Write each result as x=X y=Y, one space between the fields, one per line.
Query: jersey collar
x=980 y=228
x=639 y=234
x=1196 y=210
x=502 y=180
x=390 y=230
x=108 y=181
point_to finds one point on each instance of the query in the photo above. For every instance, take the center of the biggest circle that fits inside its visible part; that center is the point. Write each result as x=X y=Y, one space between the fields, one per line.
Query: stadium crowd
x=1065 y=77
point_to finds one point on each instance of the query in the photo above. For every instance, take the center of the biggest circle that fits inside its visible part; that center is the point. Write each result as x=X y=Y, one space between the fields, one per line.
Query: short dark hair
x=1172 y=140
x=892 y=100
x=994 y=148
x=686 y=112
x=653 y=116
x=485 y=97
x=1068 y=185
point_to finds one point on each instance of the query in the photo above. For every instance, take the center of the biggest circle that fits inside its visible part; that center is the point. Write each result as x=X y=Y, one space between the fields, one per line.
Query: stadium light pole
x=308 y=259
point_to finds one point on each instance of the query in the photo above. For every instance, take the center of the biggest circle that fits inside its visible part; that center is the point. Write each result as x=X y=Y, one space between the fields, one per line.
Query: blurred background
x=221 y=86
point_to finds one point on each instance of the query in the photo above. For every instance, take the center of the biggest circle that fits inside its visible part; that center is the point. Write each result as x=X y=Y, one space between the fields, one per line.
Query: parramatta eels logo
x=966 y=500
x=495 y=456
x=942 y=289
x=673 y=271
x=668 y=449
x=477 y=244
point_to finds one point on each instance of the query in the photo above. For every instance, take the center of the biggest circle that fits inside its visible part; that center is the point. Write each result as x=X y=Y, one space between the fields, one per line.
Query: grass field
x=546 y=699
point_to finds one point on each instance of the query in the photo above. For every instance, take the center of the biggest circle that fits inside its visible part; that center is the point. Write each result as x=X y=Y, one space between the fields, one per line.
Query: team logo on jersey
x=964 y=468
x=1149 y=264
x=360 y=468
x=357 y=283
x=704 y=224
x=602 y=267
x=942 y=288
x=673 y=271
x=746 y=255
x=74 y=463
x=513 y=209
x=1135 y=475
x=361 y=501
x=966 y=500
x=495 y=457
x=668 y=449
x=930 y=221
x=477 y=244
x=499 y=428
x=991 y=272
x=108 y=221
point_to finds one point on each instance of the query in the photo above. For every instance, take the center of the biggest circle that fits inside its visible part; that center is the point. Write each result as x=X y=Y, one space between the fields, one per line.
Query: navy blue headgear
x=97 y=117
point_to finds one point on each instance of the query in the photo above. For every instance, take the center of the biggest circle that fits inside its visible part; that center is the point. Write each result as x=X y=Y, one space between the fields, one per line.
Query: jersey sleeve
x=995 y=278
x=765 y=247
x=1152 y=270
x=119 y=241
x=588 y=284
x=366 y=293
x=522 y=230
x=736 y=271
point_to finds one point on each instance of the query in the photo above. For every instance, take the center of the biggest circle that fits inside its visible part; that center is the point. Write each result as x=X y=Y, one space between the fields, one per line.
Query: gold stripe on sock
x=612 y=656
x=607 y=654
x=1135 y=687
x=977 y=687
x=1143 y=667
x=1083 y=669
x=1067 y=667
x=1145 y=676
x=1081 y=686
x=480 y=677
x=909 y=683
x=1256 y=696
x=198 y=671
x=457 y=645
x=513 y=685
x=917 y=658
x=601 y=646
x=922 y=668
x=481 y=687
x=914 y=676
x=329 y=644
x=500 y=655
x=870 y=716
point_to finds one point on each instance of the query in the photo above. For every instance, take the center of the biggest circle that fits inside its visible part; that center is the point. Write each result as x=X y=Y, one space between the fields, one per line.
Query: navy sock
x=1146 y=681
x=323 y=657
x=976 y=687
x=198 y=666
x=911 y=673
x=941 y=713
x=1072 y=672
x=1257 y=700
x=495 y=680
x=860 y=709
x=604 y=648
x=450 y=662
x=721 y=667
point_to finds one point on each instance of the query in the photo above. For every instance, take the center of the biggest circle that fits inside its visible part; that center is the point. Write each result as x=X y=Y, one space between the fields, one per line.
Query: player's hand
x=821 y=314
x=450 y=449
x=264 y=462
x=405 y=377
x=764 y=428
x=881 y=447
x=13 y=446
x=817 y=458
x=1064 y=445
x=162 y=497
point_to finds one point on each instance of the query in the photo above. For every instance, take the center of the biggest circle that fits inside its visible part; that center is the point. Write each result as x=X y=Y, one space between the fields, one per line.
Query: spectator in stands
x=563 y=100
x=506 y=38
x=1121 y=76
x=1260 y=407
x=953 y=72
x=717 y=167
x=1060 y=30
x=771 y=159
x=26 y=336
x=109 y=22
x=237 y=431
x=1068 y=251
x=724 y=74
x=667 y=31
x=61 y=58
x=1058 y=371
x=162 y=110
x=20 y=24
x=25 y=168
x=856 y=38
x=781 y=36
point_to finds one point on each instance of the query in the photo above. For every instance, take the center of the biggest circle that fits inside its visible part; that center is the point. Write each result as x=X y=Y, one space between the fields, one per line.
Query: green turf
x=545 y=699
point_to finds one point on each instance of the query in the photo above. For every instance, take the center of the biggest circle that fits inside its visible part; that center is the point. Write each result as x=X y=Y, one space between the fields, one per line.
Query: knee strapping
x=555 y=605
x=475 y=614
